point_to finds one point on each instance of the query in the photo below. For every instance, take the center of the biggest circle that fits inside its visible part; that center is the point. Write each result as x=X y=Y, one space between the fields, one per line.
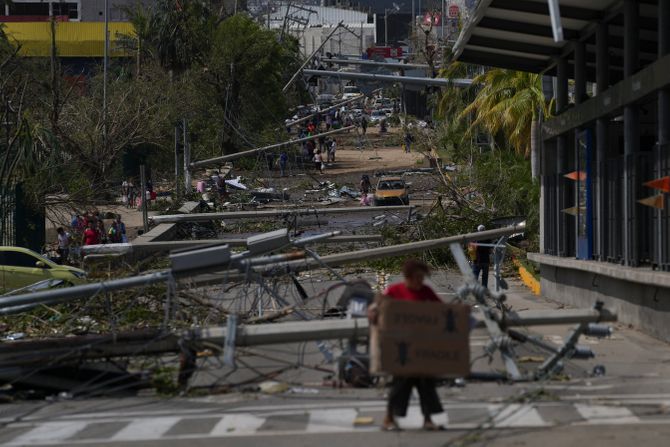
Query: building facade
x=605 y=227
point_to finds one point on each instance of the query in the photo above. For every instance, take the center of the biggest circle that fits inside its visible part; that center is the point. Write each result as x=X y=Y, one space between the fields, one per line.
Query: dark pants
x=401 y=391
x=484 y=269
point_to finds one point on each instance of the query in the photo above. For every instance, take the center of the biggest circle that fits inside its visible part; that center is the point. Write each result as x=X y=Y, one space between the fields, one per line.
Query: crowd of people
x=131 y=195
x=88 y=229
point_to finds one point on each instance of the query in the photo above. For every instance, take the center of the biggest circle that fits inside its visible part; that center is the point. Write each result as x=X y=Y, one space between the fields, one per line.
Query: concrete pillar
x=562 y=157
x=602 y=144
x=631 y=135
x=662 y=240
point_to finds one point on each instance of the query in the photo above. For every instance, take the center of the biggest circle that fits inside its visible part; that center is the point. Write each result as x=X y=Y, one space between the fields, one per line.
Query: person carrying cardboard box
x=412 y=289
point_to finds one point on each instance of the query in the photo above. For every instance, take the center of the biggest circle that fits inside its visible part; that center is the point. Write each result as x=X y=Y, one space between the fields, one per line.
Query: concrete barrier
x=640 y=296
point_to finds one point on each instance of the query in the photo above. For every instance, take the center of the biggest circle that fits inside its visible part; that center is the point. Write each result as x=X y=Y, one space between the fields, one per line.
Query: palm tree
x=512 y=103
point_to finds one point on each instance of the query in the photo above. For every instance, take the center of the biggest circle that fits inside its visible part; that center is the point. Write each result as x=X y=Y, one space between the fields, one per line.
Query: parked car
x=391 y=191
x=350 y=91
x=377 y=116
x=20 y=267
x=325 y=100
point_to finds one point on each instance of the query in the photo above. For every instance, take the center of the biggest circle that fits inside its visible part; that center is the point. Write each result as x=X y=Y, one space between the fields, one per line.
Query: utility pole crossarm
x=311 y=56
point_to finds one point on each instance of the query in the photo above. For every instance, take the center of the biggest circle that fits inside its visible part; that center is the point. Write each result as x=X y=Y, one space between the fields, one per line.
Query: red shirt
x=400 y=291
x=91 y=237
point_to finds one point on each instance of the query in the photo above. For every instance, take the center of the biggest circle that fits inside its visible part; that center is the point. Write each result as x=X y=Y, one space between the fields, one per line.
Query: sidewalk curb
x=527 y=278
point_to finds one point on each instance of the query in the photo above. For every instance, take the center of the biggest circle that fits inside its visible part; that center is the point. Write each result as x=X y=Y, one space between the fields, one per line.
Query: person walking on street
x=283 y=162
x=318 y=160
x=411 y=289
x=124 y=192
x=102 y=233
x=482 y=259
x=364 y=124
x=132 y=194
x=90 y=236
x=331 y=151
x=365 y=185
x=408 y=141
x=122 y=228
x=64 y=242
x=114 y=234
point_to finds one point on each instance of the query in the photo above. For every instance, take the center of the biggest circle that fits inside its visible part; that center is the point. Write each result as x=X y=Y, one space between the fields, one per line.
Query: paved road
x=278 y=420
x=628 y=406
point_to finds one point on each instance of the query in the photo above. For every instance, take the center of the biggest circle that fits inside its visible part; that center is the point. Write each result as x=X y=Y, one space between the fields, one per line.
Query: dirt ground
x=368 y=160
x=379 y=154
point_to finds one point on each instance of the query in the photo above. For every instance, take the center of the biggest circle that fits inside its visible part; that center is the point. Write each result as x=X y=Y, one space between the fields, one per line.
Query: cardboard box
x=421 y=339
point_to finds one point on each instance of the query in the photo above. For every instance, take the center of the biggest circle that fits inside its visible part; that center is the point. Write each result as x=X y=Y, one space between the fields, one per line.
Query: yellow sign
x=73 y=39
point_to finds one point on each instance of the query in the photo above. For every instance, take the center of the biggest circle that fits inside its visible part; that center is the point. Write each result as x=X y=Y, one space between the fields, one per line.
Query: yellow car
x=391 y=191
x=20 y=267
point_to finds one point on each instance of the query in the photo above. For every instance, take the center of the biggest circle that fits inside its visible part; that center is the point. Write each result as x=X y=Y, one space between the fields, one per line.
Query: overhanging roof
x=517 y=34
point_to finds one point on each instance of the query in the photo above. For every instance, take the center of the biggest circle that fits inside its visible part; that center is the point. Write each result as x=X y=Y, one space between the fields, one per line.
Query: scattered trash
x=301 y=390
x=531 y=359
x=265 y=195
x=363 y=420
x=409 y=171
x=237 y=184
x=272 y=387
x=599 y=371
x=15 y=336
x=346 y=191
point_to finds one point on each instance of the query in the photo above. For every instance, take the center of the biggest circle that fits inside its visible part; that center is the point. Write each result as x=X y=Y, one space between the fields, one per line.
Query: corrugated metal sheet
x=73 y=39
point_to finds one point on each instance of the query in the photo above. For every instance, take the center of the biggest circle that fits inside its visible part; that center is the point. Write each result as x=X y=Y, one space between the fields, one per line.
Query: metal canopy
x=517 y=34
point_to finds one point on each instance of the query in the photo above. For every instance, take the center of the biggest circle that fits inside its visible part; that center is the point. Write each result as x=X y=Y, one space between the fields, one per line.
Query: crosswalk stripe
x=49 y=433
x=603 y=414
x=334 y=420
x=415 y=418
x=237 y=424
x=325 y=420
x=516 y=415
x=145 y=428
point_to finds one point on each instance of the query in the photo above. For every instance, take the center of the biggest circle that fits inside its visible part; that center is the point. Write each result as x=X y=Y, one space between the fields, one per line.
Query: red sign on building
x=385 y=52
x=454 y=11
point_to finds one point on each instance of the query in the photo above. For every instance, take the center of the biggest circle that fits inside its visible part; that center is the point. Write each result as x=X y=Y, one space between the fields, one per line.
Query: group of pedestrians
x=131 y=195
x=87 y=229
x=90 y=229
x=128 y=193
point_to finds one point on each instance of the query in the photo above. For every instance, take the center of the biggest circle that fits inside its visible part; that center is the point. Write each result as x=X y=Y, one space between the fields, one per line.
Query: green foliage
x=502 y=186
x=508 y=102
x=164 y=380
x=176 y=33
x=241 y=85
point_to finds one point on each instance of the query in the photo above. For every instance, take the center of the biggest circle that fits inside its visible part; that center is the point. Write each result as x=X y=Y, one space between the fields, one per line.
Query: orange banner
x=657 y=201
x=576 y=175
x=662 y=184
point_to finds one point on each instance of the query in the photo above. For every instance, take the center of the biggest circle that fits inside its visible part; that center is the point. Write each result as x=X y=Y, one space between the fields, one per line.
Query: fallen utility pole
x=84 y=291
x=231 y=215
x=373 y=77
x=333 y=107
x=394 y=65
x=353 y=257
x=153 y=342
x=397 y=250
x=310 y=57
x=224 y=158
x=165 y=246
